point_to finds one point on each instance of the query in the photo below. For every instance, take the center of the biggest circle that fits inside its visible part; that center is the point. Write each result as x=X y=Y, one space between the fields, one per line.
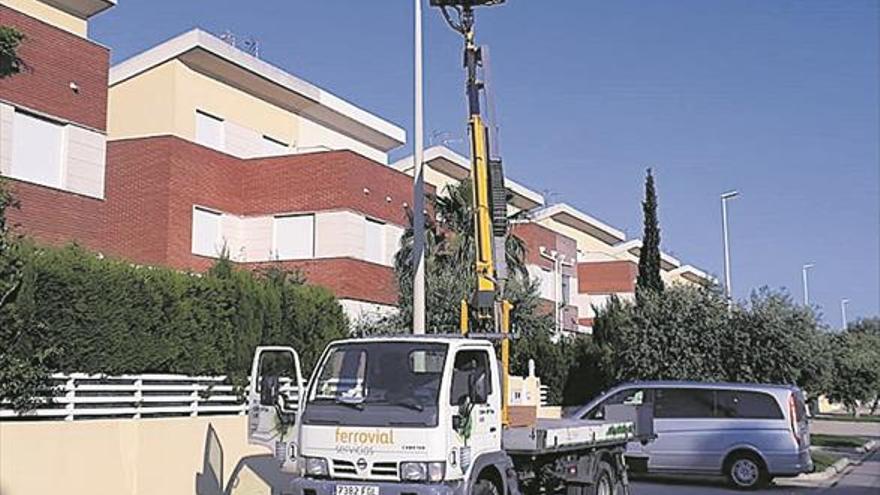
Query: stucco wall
x=145 y=456
x=50 y=15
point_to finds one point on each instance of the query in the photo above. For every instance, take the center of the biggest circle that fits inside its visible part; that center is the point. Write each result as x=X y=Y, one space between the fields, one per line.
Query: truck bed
x=564 y=435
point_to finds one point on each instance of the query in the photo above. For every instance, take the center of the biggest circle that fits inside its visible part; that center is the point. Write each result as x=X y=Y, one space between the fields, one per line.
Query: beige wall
x=164 y=100
x=586 y=243
x=50 y=15
x=136 y=457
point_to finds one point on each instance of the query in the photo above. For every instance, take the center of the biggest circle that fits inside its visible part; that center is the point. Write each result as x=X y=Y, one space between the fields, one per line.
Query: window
x=630 y=396
x=294 y=237
x=683 y=403
x=747 y=405
x=37 y=148
x=566 y=289
x=470 y=366
x=272 y=146
x=210 y=131
x=207 y=239
x=547 y=281
x=374 y=248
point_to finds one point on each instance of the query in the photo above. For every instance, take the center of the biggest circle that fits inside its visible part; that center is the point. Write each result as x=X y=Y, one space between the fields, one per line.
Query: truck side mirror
x=269 y=389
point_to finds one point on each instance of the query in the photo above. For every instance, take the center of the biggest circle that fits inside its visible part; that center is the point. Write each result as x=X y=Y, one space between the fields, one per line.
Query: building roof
x=452 y=164
x=668 y=262
x=212 y=56
x=634 y=247
x=571 y=216
x=81 y=8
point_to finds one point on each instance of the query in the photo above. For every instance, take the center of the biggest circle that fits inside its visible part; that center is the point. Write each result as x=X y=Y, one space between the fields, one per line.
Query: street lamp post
x=727 y=289
x=843 y=303
x=804 y=270
x=418 y=185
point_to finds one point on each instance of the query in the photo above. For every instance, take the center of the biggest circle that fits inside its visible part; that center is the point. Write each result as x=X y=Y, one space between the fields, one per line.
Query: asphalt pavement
x=863 y=479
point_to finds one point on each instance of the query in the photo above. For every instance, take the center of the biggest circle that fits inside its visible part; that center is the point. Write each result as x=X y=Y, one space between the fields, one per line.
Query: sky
x=778 y=100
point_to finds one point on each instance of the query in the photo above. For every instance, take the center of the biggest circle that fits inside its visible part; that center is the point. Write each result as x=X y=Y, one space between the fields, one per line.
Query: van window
x=683 y=403
x=630 y=397
x=746 y=405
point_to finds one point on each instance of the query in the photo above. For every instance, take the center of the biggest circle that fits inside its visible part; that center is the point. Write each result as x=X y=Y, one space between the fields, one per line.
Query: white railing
x=83 y=396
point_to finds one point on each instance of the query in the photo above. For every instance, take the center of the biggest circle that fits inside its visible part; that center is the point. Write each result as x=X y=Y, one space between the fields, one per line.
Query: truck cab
x=411 y=413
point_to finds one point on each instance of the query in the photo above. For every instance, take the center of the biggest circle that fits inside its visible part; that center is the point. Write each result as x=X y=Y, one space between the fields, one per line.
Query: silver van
x=747 y=432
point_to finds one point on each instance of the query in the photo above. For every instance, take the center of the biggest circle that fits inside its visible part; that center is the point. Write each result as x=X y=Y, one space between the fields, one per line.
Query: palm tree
x=449 y=261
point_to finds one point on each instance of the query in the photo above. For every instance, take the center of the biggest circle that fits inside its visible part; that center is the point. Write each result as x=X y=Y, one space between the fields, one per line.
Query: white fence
x=82 y=396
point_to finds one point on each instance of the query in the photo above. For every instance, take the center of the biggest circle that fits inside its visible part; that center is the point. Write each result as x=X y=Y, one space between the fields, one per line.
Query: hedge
x=109 y=316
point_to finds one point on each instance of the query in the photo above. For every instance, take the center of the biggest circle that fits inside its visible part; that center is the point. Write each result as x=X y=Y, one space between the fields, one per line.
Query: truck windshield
x=373 y=383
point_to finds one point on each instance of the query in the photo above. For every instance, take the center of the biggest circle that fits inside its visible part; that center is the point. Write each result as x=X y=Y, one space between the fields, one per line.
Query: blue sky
x=776 y=99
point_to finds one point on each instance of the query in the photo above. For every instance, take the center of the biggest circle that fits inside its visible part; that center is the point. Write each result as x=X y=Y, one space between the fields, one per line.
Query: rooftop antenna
x=249 y=44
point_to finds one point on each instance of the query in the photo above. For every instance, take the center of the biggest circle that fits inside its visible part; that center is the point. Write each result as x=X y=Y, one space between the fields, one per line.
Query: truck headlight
x=423 y=471
x=413 y=471
x=316 y=466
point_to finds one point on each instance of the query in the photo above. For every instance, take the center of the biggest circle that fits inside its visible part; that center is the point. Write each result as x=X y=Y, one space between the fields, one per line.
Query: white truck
x=423 y=416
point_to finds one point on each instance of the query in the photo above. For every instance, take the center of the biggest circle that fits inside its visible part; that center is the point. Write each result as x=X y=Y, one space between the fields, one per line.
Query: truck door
x=476 y=401
x=273 y=403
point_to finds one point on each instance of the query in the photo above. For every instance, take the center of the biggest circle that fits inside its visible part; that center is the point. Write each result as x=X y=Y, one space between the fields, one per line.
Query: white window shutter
x=210 y=131
x=37 y=150
x=207 y=239
x=294 y=237
x=374 y=249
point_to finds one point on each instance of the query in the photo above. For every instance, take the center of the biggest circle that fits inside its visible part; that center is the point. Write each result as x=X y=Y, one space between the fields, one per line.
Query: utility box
x=640 y=415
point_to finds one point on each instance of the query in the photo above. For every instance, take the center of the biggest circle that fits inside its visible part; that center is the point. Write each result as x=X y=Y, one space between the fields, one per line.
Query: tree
x=687 y=333
x=856 y=358
x=449 y=264
x=649 y=256
x=673 y=335
x=10 y=63
x=774 y=340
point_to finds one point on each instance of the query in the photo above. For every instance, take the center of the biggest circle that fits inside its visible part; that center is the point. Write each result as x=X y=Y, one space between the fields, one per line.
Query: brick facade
x=607 y=277
x=55 y=59
x=153 y=183
x=536 y=236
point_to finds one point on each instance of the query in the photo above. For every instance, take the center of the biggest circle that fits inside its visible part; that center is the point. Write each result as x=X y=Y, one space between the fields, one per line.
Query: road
x=860 y=480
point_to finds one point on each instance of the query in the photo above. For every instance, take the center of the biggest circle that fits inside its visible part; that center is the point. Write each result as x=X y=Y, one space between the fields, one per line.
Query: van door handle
x=493 y=429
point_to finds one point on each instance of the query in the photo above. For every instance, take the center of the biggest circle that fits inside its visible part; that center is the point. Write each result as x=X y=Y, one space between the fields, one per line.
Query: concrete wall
x=203 y=456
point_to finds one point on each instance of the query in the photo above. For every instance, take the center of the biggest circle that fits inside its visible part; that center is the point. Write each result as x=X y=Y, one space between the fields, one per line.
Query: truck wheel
x=606 y=482
x=484 y=487
x=745 y=471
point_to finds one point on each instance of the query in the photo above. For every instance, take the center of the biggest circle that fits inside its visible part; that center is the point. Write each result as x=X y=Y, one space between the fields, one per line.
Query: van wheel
x=484 y=487
x=746 y=471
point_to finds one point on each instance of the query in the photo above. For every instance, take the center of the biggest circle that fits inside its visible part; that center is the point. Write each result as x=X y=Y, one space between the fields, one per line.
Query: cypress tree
x=649 y=256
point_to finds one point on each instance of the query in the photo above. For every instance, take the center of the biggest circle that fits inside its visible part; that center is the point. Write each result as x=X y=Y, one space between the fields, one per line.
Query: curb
x=832 y=474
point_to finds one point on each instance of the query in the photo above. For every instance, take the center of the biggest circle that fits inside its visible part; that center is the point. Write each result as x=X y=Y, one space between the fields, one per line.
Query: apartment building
x=578 y=261
x=194 y=149
x=227 y=153
x=53 y=119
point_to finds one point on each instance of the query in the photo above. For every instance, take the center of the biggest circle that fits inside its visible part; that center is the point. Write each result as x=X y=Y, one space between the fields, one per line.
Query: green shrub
x=109 y=316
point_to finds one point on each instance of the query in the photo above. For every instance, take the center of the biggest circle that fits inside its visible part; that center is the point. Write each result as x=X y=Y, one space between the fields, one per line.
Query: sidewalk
x=863 y=479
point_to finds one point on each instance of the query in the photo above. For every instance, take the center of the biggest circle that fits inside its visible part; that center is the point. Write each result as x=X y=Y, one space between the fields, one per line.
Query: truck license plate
x=357 y=490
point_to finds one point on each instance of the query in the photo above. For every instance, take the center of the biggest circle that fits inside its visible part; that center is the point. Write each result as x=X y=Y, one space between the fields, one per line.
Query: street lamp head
x=730 y=194
x=809 y=265
x=844 y=301
x=464 y=3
